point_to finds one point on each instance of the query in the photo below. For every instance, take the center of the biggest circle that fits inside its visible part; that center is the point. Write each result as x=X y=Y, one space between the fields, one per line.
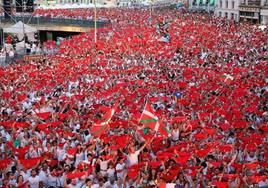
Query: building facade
x=228 y=9
x=53 y=2
x=250 y=10
x=255 y=11
x=101 y=2
x=202 y=5
x=264 y=12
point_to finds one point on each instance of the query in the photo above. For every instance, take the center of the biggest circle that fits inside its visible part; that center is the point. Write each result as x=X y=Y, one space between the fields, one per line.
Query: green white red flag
x=100 y=127
x=150 y=120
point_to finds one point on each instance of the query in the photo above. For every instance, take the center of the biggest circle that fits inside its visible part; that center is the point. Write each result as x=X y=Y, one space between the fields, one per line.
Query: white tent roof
x=72 y=6
x=18 y=28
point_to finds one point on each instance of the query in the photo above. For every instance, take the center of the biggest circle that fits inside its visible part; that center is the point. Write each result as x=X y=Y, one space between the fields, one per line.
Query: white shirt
x=251 y=159
x=110 y=172
x=104 y=165
x=79 y=158
x=95 y=186
x=43 y=177
x=11 y=53
x=175 y=135
x=108 y=184
x=120 y=167
x=54 y=181
x=60 y=154
x=34 y=181
x=133 y=158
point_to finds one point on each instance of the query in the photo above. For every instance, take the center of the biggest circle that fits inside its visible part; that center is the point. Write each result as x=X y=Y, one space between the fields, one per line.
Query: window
x=233 y=4
x=220 y=15
x=232 y=16
x=226 y=4
x=226 y=14
x=220 y=4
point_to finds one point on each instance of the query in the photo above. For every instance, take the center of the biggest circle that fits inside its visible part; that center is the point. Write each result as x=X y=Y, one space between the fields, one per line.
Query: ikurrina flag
x=150 y=120
x=100 y=127
x=147 y=117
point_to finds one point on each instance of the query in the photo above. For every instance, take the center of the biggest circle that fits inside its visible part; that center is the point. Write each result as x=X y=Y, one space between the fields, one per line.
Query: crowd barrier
x=6 y=60
x=56 y=21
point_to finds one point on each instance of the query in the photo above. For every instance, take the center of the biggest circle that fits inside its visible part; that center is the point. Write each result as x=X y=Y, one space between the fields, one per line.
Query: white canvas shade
x=18 y=29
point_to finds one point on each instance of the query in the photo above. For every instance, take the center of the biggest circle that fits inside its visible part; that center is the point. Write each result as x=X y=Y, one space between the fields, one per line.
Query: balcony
x=265 y=6
x=251 y=3
x=250 y=6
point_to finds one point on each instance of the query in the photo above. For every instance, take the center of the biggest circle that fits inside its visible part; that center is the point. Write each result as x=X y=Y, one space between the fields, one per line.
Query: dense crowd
x=78 y=14
x=74 y=119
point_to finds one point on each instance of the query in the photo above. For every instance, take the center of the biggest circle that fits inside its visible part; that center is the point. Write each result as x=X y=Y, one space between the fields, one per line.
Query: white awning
x=20 y=28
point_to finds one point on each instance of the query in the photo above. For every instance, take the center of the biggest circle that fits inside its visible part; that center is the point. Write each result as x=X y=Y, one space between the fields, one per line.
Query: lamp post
x=151 y=5
x=23 y=27
x=95 y=21
x=151 y=10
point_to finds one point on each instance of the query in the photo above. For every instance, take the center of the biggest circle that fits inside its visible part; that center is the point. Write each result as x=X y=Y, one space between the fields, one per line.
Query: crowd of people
x=13 y=49
x=74 y=119
x=77 y=14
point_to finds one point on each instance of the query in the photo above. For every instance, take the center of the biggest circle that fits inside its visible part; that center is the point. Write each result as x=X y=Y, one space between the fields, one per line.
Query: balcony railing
x=251 y=3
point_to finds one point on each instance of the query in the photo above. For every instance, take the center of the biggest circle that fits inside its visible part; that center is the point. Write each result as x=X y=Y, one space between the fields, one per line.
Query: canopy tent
x=262 y=27
x=19 y=28
x=72 y=6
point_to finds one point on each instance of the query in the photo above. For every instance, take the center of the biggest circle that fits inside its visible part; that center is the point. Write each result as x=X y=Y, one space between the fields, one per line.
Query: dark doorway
x=53 y=35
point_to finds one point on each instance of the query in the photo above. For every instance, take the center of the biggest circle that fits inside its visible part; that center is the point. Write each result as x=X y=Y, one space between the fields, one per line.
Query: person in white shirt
x=2 y=57
x=34 y=180
x=175 y=134
x=133 y=156
x=120 y=168
x=75 y=184
x=80 y=155
x=11 y=54
x=33 y=48
x=111 y=171
x=43 y=174
x=88 y=183
x=251 y=157
x=55 y=178
x=104 y=166
x=111 y=183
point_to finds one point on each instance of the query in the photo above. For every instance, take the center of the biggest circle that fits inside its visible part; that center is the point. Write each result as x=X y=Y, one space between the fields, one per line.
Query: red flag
x=43 y=115
x=220 y=184
x=71 y=151
x=4 y=163
x=30 y=163
x=74 y=175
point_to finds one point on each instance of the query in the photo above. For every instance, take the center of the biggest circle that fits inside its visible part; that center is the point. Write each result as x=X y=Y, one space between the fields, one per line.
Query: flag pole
x=95 y=21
